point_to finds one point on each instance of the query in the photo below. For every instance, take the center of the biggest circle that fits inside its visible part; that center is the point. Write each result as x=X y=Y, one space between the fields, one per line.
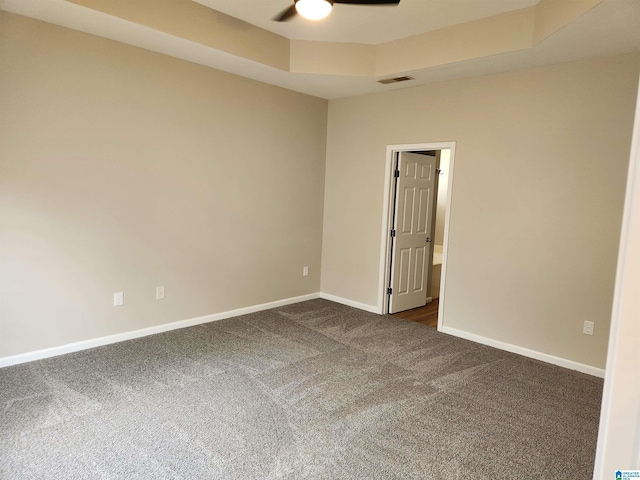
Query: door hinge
x=393 y=233
x=439 y=171
x=396 y=173
x=389 y=291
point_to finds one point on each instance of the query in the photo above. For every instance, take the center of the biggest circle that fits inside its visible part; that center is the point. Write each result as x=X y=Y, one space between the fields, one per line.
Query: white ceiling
x=612 y=27
x=372 y=24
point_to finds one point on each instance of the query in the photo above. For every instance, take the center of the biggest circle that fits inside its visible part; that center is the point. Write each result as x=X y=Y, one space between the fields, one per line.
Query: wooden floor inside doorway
x=427 y=315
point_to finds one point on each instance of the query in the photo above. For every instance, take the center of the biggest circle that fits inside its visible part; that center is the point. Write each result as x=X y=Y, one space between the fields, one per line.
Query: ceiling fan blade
x=288 y=14
x=368 y=2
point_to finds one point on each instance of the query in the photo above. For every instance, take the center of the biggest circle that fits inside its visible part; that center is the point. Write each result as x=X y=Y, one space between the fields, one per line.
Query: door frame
x=387 y=221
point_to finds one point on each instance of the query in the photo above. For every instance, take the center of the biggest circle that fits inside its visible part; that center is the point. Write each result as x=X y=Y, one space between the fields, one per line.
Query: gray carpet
x=314 y=390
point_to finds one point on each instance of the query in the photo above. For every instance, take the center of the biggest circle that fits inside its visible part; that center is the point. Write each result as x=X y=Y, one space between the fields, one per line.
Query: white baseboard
x=525 y=352
x=121 y=337
x=350 y=303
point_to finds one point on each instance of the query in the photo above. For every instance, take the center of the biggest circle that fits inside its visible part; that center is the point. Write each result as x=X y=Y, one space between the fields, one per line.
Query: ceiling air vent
x=387 y=81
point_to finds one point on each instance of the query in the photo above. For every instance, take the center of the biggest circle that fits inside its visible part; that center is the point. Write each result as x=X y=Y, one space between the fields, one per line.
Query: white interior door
x=412 y=252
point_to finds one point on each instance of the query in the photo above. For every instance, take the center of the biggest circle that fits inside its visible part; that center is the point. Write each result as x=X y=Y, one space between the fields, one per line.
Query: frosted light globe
x=313 y=9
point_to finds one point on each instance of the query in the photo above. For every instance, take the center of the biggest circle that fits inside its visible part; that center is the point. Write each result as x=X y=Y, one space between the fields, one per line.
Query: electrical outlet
x=118 y=299
x=159 y=293
x=587 y=328
x=305 y=271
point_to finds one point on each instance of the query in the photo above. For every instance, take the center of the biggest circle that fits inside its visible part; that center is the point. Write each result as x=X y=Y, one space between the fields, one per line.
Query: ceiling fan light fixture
x=314 y=9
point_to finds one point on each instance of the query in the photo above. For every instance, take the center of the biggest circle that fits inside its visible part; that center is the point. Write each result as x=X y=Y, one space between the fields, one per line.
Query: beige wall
x=539 y=179
x=619 y=433
x=124 y=169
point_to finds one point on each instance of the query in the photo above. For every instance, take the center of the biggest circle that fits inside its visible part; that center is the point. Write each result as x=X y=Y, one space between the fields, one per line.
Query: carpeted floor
x=314 y=390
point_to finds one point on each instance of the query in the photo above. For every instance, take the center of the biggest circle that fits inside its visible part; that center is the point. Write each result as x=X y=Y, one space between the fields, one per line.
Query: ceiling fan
x=318 y=9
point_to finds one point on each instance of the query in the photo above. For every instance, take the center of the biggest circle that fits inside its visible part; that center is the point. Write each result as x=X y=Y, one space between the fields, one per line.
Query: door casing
x=387 y=221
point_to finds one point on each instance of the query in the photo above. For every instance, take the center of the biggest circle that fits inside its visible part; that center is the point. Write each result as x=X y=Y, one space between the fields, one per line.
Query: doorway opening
x=416 y=231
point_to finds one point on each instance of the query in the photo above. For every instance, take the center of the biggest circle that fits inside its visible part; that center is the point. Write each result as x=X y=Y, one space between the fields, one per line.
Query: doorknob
x=429 y=239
